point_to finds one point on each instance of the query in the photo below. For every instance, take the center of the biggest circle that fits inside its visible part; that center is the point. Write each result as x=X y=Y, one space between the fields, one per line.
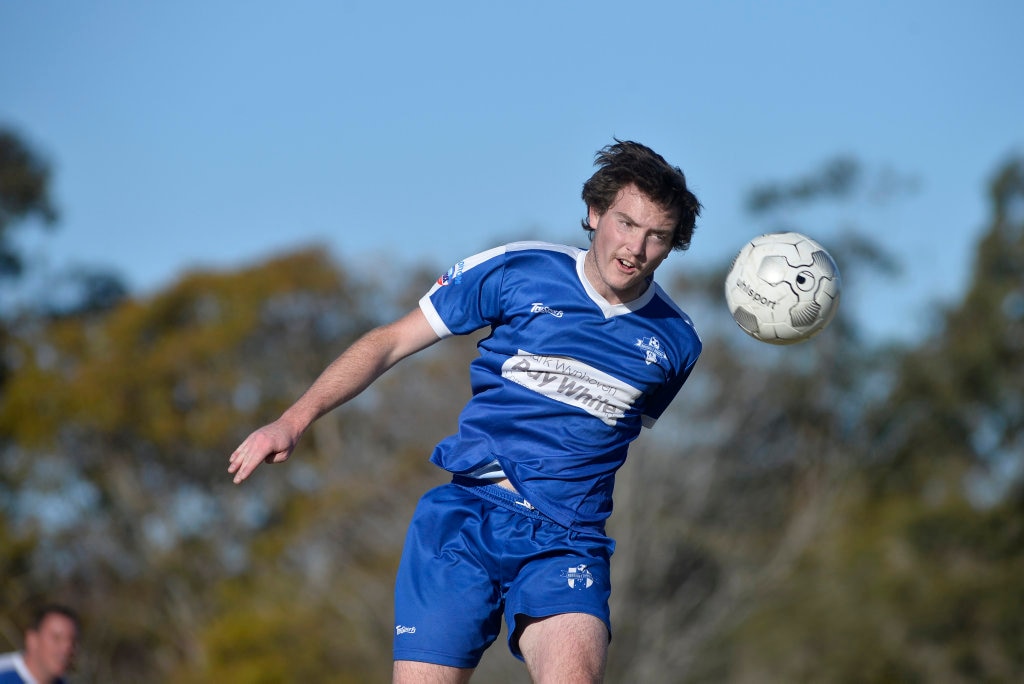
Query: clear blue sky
x=216 y=134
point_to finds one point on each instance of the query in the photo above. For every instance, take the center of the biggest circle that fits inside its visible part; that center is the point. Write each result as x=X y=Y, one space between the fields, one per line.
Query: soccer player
x=585 y=348
x=50 y=643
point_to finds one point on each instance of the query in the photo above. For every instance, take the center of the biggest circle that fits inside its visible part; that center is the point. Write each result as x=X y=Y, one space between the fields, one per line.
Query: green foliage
x=283 y=640
x=889 y=593
x=957 y=397
x=837 y=178
x=24 y=194
x=916 y=574
x=123 y=423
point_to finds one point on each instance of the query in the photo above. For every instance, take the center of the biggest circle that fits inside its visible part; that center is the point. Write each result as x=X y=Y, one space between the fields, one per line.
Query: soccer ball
x=783 y=288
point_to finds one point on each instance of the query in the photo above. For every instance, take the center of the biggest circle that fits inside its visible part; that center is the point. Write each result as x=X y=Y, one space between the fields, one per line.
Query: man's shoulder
x=541 y=258
x=510 y=253
x=666 y=300
x=542 y=247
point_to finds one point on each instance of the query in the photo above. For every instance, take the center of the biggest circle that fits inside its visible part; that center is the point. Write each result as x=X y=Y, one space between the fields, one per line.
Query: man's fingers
x=266 y=445
x=241 y=461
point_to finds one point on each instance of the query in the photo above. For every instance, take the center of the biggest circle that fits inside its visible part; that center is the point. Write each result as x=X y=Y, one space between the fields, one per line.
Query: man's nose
x=636 y=243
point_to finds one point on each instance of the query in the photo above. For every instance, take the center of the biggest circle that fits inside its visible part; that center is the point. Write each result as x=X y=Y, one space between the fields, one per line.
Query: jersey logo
x=402 y=629
x=651 y=348
x=572 y=382
x=578 y=577
x=538 y=307
x=453 y=276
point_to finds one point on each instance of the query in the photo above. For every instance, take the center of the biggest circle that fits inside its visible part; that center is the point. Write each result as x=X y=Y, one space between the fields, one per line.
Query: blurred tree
x=118 y=493
x=957 y=399
x=122 y=421
x=24 y=194
x=25 y=200
x=916 y=572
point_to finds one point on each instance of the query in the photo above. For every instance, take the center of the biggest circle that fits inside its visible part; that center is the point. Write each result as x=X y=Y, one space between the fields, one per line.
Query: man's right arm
x=348 y=375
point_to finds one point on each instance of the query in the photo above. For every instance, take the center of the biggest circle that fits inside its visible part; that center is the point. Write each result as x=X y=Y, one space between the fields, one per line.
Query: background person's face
x=49 y=649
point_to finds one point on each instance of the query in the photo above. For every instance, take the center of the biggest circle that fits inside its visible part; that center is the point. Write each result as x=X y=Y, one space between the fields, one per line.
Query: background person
x=50 y=643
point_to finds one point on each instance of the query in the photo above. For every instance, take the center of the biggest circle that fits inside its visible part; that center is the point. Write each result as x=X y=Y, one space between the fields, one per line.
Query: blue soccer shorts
x=475 y=550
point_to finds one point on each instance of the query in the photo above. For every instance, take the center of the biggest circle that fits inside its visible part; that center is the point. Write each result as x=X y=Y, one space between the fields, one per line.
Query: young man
x=585 y=349
x=50 y=643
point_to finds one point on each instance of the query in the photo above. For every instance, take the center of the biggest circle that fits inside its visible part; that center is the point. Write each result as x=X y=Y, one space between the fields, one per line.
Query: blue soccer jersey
x=565 y=380
x=13 y=669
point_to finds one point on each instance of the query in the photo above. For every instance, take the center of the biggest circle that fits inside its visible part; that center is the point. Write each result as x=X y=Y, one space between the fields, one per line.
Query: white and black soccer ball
x=783 y=288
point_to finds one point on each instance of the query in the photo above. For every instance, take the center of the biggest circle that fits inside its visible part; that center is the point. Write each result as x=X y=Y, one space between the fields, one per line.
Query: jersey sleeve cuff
x=427 y=307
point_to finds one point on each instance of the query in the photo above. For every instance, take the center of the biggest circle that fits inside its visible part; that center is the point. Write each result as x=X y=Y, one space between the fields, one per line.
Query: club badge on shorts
x=579 y=577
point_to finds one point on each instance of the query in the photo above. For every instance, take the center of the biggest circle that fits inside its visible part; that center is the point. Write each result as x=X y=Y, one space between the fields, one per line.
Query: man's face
x=630 y=241
x=48 y=650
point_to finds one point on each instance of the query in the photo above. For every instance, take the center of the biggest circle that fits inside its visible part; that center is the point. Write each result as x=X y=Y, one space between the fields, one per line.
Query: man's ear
x=592 y=217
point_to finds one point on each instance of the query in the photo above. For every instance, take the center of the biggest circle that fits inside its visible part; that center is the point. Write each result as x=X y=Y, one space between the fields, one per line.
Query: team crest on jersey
x=453 y=276
x=651 y=348
x=578 y=577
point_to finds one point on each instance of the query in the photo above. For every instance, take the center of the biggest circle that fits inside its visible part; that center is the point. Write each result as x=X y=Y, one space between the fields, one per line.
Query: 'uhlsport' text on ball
x=783 y=288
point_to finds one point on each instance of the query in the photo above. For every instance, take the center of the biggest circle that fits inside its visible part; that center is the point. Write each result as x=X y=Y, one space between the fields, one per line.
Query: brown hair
x=625 y=163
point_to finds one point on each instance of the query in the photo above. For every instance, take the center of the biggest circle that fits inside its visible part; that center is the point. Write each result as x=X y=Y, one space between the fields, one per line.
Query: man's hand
x=272 y=443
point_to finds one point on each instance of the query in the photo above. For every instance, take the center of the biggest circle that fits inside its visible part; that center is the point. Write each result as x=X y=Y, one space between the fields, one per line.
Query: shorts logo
x=402 y=629
x=579 y=577
x=652 y=350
